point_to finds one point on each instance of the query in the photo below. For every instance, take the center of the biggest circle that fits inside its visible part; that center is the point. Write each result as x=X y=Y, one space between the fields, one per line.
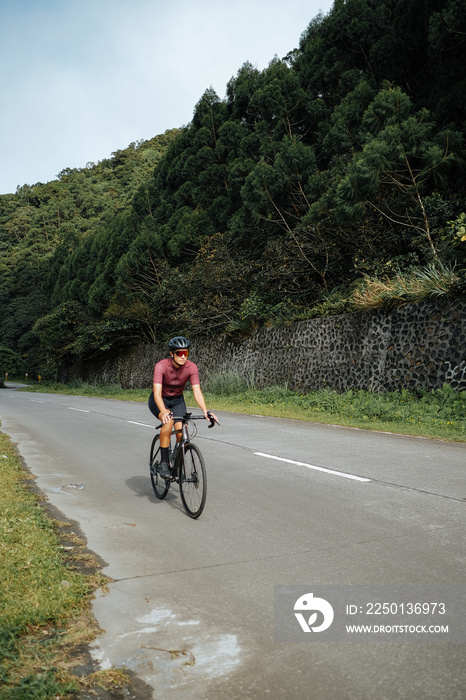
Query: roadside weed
x=45 y=617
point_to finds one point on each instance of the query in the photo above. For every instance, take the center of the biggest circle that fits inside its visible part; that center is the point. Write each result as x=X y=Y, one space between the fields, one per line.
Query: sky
x=81 y=79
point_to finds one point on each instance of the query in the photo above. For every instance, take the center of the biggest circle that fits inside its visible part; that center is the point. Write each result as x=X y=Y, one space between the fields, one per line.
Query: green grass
x=439 y=413
x=436 y=414
x=45 y=598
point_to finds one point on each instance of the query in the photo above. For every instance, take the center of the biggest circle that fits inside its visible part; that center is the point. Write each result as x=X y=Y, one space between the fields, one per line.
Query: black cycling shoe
x=164 y=470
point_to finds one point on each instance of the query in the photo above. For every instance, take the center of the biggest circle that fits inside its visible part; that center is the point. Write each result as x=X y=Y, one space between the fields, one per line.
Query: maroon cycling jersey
x=173 y=379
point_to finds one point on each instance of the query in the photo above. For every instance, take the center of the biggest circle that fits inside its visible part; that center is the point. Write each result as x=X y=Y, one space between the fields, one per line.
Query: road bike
x=186 y=463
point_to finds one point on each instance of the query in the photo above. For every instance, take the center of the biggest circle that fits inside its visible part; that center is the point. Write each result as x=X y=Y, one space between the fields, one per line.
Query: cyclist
x=166 y=399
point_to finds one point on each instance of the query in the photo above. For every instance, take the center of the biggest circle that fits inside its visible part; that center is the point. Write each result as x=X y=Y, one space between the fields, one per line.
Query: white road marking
x=312 y=466
x=145 y=425
x=83 y=410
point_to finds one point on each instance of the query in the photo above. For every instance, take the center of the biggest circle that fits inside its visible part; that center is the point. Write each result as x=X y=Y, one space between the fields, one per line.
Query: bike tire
x=193 y=481
x=159 y=484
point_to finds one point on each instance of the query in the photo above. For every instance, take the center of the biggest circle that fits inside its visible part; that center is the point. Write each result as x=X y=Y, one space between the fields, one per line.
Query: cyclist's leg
x=159 y=484
x=165 y=433
x=154 y=409
x=177 y=405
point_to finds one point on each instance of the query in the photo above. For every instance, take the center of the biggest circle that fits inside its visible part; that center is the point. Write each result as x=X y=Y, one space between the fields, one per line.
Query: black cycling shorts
x=175 y=404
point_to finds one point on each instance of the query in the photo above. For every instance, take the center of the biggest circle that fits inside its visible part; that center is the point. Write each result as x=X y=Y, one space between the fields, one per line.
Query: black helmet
x=179 y=343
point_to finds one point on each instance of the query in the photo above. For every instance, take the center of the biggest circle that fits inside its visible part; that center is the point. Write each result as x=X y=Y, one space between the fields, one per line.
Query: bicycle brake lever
x=212 y=421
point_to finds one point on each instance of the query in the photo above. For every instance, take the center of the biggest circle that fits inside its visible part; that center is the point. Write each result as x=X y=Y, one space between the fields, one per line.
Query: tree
x=404 y=159
x=342 y=160
x=10 y=362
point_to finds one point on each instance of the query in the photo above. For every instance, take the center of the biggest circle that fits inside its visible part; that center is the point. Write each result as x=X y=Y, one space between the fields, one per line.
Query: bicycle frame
x=185 y=439
x=187 y=468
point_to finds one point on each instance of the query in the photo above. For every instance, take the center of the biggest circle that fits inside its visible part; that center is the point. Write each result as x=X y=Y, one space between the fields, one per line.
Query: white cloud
x=83 y=78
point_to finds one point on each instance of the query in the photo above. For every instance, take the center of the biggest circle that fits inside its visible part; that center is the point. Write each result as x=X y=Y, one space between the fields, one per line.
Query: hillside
x=331 y=180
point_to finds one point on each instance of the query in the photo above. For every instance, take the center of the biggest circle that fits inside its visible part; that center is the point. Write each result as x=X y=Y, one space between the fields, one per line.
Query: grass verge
x=47 y=584
x=437 y=413
x=440 y=414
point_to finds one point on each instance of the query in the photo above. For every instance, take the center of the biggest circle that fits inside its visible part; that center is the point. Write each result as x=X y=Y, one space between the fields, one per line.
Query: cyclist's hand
x=166 y=417
x=213 y=418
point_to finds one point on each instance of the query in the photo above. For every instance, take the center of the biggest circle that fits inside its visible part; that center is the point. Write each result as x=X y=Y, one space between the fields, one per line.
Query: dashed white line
x=312 y=466
x=145 y=425
x=82 y=410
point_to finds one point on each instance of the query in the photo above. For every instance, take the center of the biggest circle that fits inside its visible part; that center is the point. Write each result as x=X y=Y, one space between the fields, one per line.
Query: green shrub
x=228 y=383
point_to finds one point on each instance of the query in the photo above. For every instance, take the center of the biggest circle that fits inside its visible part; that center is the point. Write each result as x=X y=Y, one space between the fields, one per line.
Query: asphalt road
x=348 y=508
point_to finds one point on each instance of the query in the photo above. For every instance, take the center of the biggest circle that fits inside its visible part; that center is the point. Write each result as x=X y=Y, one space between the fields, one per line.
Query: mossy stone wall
x=413 y=346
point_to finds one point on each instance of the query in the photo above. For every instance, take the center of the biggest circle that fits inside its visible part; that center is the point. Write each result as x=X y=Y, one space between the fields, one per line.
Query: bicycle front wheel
x=159 y=484
x=193 y=481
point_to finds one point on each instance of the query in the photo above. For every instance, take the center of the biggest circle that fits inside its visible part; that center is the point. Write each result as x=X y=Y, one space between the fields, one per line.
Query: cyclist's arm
x=199 y=397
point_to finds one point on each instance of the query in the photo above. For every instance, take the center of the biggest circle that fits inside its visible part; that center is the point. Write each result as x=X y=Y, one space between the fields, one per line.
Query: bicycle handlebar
x=187 y=417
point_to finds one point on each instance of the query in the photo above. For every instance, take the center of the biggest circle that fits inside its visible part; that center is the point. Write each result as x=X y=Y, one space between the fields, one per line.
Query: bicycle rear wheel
x=193 y=481
x=159 y=484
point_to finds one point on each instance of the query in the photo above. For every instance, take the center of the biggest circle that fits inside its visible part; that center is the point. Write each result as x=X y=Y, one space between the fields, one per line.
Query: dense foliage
x=56 y=236
x=340 y=164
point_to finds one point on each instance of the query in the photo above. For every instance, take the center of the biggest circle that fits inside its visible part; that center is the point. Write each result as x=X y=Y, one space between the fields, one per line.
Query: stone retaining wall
x=414 y=346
